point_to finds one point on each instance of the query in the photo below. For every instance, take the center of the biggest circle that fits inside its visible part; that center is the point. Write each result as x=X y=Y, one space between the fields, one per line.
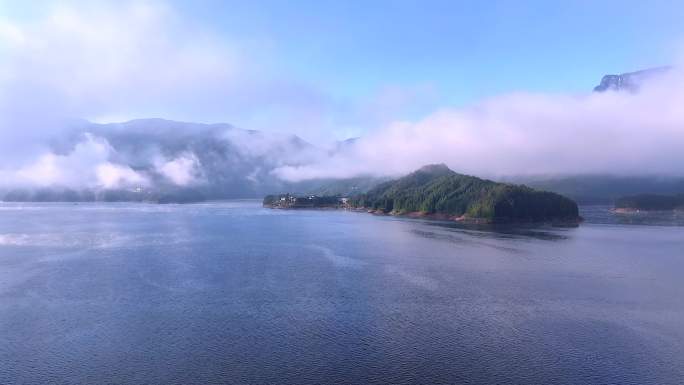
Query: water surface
x=232 y=293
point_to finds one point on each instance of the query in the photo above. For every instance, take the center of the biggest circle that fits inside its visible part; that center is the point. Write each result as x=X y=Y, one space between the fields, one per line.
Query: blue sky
x=468 y=49
x=341 y=68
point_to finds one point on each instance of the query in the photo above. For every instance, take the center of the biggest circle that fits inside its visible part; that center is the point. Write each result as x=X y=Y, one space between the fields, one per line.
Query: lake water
x=231 y=293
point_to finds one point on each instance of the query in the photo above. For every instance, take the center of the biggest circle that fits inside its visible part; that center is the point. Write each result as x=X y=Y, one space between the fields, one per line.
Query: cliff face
x=629 y=81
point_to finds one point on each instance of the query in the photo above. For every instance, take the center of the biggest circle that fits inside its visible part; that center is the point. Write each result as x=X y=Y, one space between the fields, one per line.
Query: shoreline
x=567 y=222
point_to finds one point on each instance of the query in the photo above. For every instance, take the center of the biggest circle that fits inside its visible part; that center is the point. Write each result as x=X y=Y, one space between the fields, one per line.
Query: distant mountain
x=604 y=189
x=230 y=162
x=344 y=145
x=186 y=162
x=607 y=189
x=629 y=81
x=650 y=202
x=435 y=190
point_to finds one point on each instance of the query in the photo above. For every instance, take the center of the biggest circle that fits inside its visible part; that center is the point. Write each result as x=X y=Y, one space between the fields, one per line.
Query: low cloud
x=111 y=176
x=183 y=170
x=526 y=134
x=88 y=165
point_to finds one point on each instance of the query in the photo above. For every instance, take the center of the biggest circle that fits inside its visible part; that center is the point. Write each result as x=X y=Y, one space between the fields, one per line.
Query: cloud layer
x=98 y=60
x=87 y=165
x=518 y=134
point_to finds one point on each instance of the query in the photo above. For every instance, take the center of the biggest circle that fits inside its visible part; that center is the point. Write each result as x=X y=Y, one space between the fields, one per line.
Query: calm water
x=233 y=293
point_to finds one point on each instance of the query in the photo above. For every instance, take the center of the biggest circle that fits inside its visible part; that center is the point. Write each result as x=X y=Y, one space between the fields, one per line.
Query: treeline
x=435 y=189
x=181 y=195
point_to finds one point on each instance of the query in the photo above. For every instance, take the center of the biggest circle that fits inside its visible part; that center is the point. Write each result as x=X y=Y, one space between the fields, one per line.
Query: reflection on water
x=230 y=292
x=505 y=231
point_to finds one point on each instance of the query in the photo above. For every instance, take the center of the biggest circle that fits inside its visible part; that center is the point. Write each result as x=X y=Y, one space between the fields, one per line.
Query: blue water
x=231 y=293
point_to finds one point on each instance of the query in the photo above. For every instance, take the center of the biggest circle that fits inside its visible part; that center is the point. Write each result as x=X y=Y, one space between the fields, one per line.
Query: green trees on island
x=435 y=189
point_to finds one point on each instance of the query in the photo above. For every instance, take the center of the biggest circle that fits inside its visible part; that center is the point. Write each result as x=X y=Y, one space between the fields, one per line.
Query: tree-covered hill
x=435 y=189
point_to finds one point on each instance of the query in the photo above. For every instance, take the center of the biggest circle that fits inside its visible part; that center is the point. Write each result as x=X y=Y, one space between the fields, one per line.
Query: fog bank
x=614 y=132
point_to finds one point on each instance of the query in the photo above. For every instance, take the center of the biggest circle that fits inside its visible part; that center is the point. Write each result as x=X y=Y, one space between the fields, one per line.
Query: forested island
x=650 y=202
x=435 y=191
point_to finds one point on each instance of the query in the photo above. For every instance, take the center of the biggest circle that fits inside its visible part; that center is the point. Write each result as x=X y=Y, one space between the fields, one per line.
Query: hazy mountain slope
x=651 y=202
x=170 y=161
x=189 y=160
x=605 y=189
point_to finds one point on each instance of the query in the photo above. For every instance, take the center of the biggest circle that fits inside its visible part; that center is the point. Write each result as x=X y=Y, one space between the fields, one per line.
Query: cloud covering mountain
x=156 y=156
x=531 y=133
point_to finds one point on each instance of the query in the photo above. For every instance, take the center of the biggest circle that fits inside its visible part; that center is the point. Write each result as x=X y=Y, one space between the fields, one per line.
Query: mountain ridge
x=629 y=81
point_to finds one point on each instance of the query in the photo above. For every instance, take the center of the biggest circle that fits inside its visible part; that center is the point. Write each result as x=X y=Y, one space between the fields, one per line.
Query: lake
x=232 y=293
